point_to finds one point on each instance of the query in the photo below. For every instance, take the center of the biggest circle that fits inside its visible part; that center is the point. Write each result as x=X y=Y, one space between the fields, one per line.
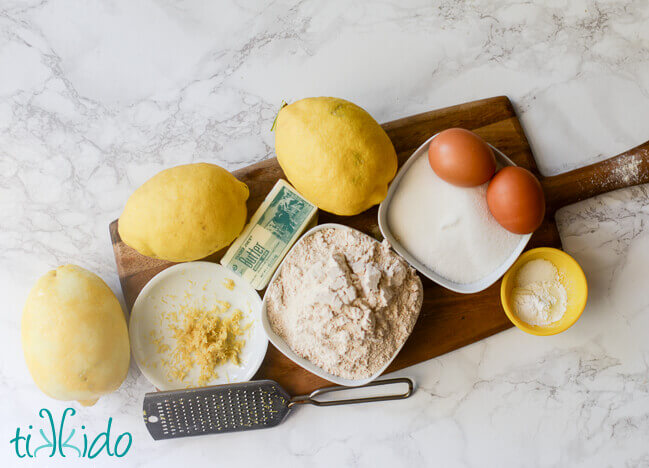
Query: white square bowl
x=280 y=344
x=464 y=288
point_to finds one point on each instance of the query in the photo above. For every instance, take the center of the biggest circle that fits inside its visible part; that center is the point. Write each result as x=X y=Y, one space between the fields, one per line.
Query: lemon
x=74 y=336
x=185 y=213
x=335 y=154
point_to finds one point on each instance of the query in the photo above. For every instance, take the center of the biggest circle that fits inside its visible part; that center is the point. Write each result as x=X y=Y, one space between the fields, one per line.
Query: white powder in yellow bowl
x=538 y=297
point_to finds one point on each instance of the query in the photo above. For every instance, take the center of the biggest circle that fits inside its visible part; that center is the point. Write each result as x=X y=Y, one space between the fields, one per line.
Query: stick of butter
x=280 y=220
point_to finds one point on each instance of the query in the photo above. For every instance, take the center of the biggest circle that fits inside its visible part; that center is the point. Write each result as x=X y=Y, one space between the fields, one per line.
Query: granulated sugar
x=448 y=228
x=344 y=302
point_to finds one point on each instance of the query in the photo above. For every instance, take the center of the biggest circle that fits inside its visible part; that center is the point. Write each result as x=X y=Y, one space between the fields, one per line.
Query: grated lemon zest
x=202 y=338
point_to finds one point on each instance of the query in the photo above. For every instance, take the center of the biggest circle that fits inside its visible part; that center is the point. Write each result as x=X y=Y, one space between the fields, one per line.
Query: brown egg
x=460 y=157
x=516 y=200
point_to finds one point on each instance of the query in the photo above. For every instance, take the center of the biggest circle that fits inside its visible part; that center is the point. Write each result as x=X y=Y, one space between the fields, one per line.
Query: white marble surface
x=97 y=96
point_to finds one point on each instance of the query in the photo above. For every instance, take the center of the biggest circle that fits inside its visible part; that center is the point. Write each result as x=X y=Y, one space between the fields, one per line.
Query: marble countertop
x=97 y=96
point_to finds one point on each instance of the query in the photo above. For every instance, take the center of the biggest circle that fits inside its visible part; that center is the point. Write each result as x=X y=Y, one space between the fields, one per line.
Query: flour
x=539 y=298
x=629 y=173
x=344 y=302
x=447 y=228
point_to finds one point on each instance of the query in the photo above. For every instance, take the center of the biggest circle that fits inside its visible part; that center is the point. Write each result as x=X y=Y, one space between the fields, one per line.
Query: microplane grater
x=238 y=407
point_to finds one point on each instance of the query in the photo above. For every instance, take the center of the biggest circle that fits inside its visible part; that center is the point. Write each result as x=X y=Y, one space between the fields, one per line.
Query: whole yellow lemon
x=74 y=336
x=335 y=154
x=185 y=213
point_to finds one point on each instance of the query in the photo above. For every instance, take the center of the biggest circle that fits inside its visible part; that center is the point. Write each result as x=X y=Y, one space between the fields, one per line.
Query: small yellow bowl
x=572 y=278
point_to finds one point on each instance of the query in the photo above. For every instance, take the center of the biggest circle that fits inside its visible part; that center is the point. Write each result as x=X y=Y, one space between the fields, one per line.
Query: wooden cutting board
x=448 y=320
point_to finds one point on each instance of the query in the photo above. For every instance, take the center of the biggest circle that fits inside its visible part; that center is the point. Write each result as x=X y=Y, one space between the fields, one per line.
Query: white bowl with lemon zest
x=197 y=324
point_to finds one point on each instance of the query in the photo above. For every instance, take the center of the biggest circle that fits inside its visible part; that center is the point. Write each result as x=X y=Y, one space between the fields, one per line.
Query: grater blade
x=241 y=407
x=216 y=409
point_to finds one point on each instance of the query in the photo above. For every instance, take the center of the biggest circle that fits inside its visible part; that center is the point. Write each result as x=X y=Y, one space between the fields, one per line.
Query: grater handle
x=310 y=398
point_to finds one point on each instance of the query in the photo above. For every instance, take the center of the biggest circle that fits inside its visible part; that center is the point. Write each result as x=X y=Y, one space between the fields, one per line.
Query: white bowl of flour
x=446 y=232
x=341 y=304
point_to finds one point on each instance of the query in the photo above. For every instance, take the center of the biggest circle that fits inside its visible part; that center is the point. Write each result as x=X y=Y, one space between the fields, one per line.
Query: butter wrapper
x=276 y=225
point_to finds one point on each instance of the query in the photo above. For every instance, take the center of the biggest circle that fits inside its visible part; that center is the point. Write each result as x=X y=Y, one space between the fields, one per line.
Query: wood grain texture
x=448 y=320
x=624 y=170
